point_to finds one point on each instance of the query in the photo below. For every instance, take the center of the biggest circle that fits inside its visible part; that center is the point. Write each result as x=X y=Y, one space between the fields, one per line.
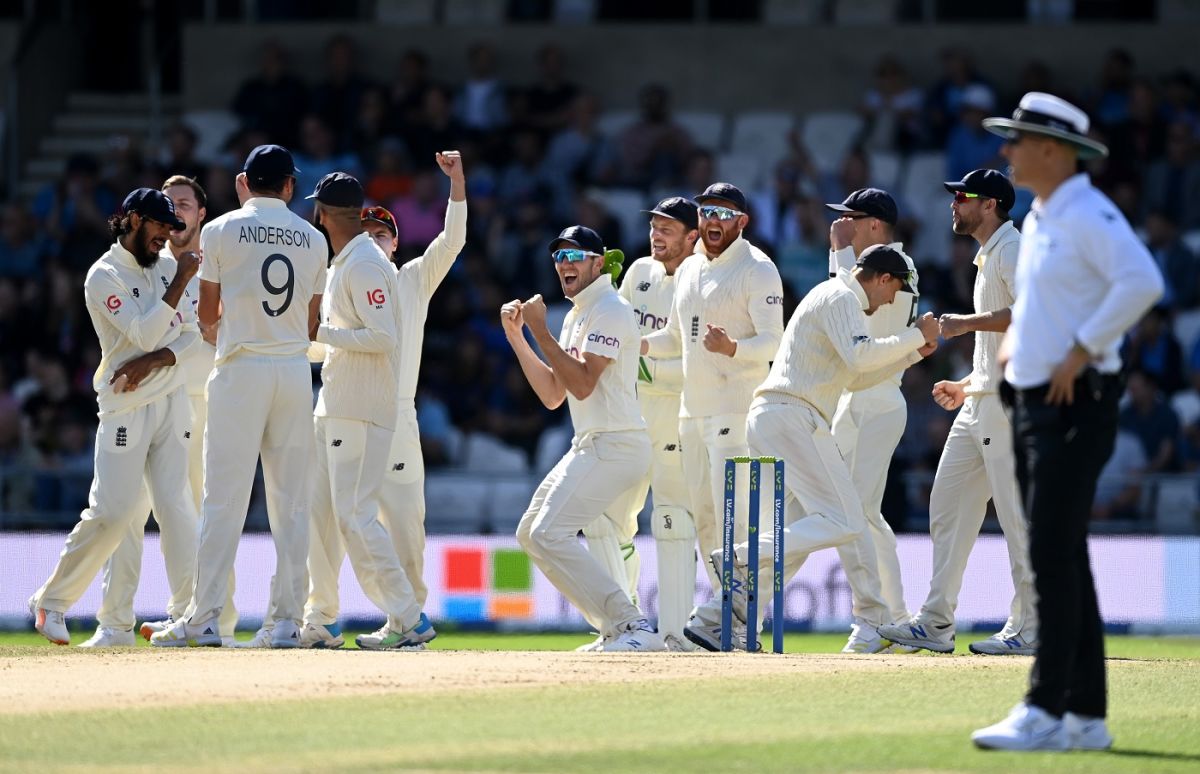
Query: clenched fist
x=717 y=340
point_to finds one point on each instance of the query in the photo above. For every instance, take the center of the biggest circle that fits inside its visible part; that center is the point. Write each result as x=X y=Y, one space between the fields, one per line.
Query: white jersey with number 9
x=269 y=262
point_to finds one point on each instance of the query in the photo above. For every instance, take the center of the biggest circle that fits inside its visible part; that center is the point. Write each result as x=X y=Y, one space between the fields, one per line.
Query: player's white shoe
x=1086 y=733
x=738 y=585
x=261 y=639
x=106 y=637
x=864 y=639
x=1004 y=644
x=385 y=638
x=595 y=646
x=228 y=642
x=321 y=636
x=917 y=633
x=51 y=624
x=677 y=644
x=708 y=636
x=286 y=634
x=636 y=637
x=149 y=628
x=1026 y=728
x=180 y=635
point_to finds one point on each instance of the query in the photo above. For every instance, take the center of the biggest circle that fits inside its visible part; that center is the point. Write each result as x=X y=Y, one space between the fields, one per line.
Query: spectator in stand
x=390 y=178
x=17 y=456
x=317 y=157
x=1140 y=139
x=74 y=211
x=774 y=221
x=1180 y=267
x=514 y=413
x=591 y=212
x=421 y=214
x=180 y=156
x=653 y=149
x=943 y=102
x=1180 y=104
x=1119 y=488
x=700 y=169
x=1111 y=105
x=482 y=103
x=579 y=154
x=1172 y=183
x=370 y=127
x=1153 y=348
x=521 y=178
x=337 y=98
x=970 y=146
x=1148 y=416
x=406 y=95
x=853 y=175
x=892 y=110
x=803 y=252
x=520 y=259
x=273 y=101
x=547 y=104
x=437 y=129
x=22 y=247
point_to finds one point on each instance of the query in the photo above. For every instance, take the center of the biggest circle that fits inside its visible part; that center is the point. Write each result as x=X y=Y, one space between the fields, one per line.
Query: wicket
x=727 y=542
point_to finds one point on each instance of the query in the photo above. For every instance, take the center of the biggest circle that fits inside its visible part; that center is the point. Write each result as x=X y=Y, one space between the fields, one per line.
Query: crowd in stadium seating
x=538 y=157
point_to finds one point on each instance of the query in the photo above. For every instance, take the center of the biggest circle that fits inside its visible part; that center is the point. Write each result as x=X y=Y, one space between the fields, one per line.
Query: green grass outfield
x=910 y=718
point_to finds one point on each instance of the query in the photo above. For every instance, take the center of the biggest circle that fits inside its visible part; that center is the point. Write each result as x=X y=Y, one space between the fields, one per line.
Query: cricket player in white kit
x=826 y=349
x=726 y=321
x=868 y=426
x=649 y=287
x=123 y=569
x=262 y=277
x=402 y=493
x=977 y=462
x=141 y=318
x=593 y=366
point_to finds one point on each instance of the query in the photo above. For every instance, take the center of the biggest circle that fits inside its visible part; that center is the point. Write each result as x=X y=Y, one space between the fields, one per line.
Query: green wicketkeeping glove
x=613 y=261
x=645 y=374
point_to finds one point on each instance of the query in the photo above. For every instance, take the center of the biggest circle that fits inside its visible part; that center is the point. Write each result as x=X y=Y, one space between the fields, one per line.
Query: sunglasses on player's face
x=380 y=214
x=710 y=211
x=572 y=255
x=962 y=197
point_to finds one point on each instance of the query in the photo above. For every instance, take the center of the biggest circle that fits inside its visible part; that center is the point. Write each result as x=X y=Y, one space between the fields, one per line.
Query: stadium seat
x=471 y=12
x=1192 y=240
x=865 y=12
x=1175 y=505
x=828 y=135
x=409 y=12
x=507 y=501
x=745 y=170
x=885 y=169
x=455 y=503
x=213 y=128
x=552 y=445
x=762 y=134
x=487 y=454
x=706 y=127
x=923 y=197
x=612 y=122
x=799 y=12
x=1187 y=329
x=626 y=205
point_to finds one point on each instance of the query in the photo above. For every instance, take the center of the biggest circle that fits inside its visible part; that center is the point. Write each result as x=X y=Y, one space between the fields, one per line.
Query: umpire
x=1083 y=279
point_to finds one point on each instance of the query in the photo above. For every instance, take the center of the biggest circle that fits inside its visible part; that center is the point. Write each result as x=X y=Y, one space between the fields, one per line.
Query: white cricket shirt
x=650 y=290
x=738 y=290
x=1082 y=276
x=601 y=322
x=199 y=361
x=269 y=262
x=995 y=289
x=360 y=328
x=131 y=319
x=827 y=349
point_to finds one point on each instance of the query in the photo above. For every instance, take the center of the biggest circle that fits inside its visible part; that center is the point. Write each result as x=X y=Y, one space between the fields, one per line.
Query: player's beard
x=145 y=255
x=965 y=226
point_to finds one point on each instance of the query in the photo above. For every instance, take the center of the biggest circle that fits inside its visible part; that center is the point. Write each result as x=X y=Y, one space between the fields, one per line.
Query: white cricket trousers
x=258 y=405
x=707 y=441
x=598 y=468
x=977 y=464
x=350 y=458
x=145 y=447
x=122 y=572
x=867 y=428
x=402 y=499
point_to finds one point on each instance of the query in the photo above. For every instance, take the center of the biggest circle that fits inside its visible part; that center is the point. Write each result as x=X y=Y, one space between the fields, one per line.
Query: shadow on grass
x=1156 y=754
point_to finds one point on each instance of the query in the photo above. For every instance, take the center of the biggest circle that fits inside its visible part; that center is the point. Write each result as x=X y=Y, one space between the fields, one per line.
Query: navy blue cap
x=987 y=182
x=869 y=201
x=337 y=189
x=269 y=164
x=727 y=191
x=886 y=259
x=153 y=204
x=677 y=208
x=582 y=237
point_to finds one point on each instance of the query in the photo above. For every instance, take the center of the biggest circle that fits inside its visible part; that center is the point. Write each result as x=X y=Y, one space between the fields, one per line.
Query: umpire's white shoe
x=106 y=637
x=1026 y=728
x=180 y=635
x=637 y=636
x=51 y=624
x=1004 y=644
x=1086 y=733
x=917 y=633
x=261 y=639
x=321 y=636
x=286 y=634
x=149 y=628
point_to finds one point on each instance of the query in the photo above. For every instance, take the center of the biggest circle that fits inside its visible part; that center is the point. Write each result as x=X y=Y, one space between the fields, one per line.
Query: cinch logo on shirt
x=483 y=585
x=376 y=297
x=644 y=317
x=600 y=338
x=774 y=300
x=113 y=303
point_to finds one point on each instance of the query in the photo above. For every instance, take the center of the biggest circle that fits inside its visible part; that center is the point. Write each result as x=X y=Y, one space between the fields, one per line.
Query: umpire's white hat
x=1046 y=114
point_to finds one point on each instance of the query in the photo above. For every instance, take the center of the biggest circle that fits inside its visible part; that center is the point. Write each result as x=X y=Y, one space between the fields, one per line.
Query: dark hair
x=1002 y=213
x=174 y=180
x=267 y=189
x=119 y=225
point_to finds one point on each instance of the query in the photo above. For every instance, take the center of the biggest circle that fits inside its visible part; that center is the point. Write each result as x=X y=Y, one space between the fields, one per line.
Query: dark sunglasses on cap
x=710 y=211
x=572 y=255
x=381 y=215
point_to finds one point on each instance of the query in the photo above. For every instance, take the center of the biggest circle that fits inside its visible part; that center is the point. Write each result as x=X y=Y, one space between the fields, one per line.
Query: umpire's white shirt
x=360 y=331
x=266 y=258
x=995 y=289
x=740 y=291
x=827 y=348
x=650 y=290
x=1082 y=276
x=125 y=303
x=601 y=322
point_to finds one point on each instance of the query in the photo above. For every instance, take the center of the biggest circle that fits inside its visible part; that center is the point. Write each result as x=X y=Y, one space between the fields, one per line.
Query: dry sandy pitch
x=132 y=678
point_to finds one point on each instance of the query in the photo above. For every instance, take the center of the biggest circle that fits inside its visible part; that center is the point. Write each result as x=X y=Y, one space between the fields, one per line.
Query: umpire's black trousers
x=1060 y=451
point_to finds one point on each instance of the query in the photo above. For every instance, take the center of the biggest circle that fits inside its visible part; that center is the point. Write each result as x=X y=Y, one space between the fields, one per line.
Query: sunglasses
x=962 y=197
x=709 y=211
x=572 y=255
x=380 y=214
x=857 y=216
